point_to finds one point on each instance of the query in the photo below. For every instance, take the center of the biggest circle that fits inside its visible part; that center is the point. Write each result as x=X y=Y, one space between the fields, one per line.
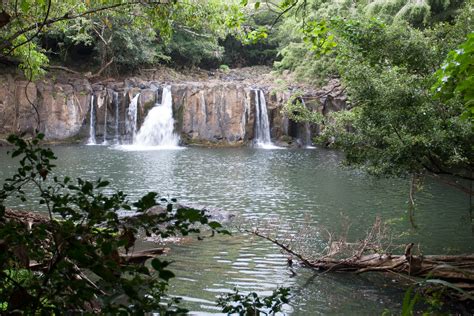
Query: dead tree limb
x=459 y=270
x=97 y=74
x=64 y=69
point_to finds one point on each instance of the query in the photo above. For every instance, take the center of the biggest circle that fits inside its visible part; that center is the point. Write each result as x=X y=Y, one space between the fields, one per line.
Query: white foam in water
x=91 y=140
x=131 y=119
x=267 y=146
x=262 y=124
x=104 y=141
x=157 y=131
x=146 y=148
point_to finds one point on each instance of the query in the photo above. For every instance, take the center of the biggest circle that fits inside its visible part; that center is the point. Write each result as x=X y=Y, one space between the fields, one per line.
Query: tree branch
x=454 y=184
x=282 y=246
x=65 y=17
x=64 y=68
x=103 y=68
x=37 y=31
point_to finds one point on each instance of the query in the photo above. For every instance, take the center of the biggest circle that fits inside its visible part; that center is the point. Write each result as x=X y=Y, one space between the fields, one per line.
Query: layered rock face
x=208 y=112
x=213 y=112
x=56 y=109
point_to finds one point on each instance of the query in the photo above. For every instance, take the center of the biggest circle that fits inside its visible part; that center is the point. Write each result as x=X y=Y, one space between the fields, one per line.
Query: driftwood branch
x=369 y=255
x=282 y=246
x=139 y=257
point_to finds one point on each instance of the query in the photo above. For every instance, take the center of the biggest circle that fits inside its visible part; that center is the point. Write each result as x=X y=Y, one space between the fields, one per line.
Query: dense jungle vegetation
x=407 y=68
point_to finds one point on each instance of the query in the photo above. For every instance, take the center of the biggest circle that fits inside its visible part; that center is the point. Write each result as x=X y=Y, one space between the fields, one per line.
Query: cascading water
x=158 y=128
x=308 y=142
x=91 y=140
x=104 y=141
x=131 y=120
x=116 y=107
x=262 y=124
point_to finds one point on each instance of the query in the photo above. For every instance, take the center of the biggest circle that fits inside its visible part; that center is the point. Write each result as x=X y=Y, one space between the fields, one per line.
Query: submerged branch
x=365 y=256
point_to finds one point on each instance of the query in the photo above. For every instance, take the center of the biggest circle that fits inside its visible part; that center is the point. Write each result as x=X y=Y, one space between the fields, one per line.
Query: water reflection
x=285 y=191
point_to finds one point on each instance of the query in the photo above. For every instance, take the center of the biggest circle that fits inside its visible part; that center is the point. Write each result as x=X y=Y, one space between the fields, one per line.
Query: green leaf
x=166 y=275
x=25 y=6
x=157 y=264
x=87 y=188
x=190 y=214
x=146 y=201
x=102 y=184
x=214 y=225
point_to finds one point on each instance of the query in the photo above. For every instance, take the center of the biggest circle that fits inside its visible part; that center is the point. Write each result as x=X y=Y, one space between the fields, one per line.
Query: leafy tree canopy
x=132 y=32
x=387 y=59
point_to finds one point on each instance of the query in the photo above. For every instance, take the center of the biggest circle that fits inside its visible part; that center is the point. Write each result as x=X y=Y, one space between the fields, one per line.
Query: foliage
x=409 y=302
x=236 y=54
x=73 y=260
x=297 y=111
x=392 y=125
x=252 y=304
x=456 y=77
x=248 y=42
x=417 y=13
x=224 y=68
x=32 y=60
x=133 y=33
x=187 y=49
x=305 y=65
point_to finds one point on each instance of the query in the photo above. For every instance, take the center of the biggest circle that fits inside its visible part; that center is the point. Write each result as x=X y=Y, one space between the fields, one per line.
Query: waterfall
x=202 y=100
x=158 y=127
x=262 y=124
x=308 y=141
x=116 y=107
x=131 y=120
x=104 y=141
x=91 y=140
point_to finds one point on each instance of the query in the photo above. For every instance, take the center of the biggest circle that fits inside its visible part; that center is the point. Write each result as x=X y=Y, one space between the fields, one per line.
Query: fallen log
x=457 y=270
x=139 y=257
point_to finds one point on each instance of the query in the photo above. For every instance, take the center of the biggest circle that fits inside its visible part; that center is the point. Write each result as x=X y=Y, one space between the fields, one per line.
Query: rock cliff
x=217 y=111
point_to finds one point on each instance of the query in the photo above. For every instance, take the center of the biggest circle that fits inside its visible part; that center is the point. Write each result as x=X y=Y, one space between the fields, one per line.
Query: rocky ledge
x=209 y=108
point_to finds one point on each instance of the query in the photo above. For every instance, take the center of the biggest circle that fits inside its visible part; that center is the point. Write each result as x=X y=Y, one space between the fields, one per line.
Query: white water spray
x=262 y=124
x=131 y=120
x=104 y=141
x=91 y=140
x=158 y=127
x=116 y=107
